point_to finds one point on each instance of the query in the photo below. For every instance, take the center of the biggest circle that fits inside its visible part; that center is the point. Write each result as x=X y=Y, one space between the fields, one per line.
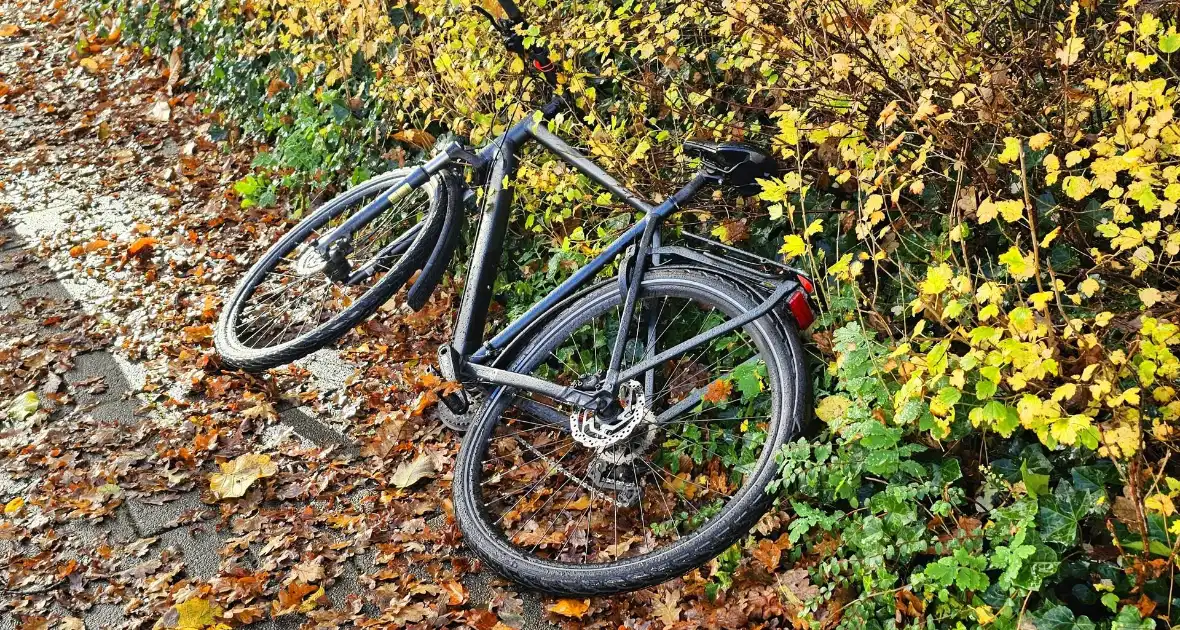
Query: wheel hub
x=310 y=262
x=335 y=266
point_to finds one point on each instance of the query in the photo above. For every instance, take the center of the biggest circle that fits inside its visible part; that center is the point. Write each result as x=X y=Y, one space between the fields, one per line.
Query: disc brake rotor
x=310 y=262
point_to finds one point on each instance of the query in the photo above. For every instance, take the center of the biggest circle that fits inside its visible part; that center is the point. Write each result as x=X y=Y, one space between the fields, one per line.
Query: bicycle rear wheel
x=291 y=303
x=556 y=506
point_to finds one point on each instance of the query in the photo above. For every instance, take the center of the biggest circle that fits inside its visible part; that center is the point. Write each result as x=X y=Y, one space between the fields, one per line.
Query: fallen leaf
x=456 y=593
x=175 y=63
x=571 y=607
x=10 y=30
x=581 y=503
x=141 y=244
x=23 y=406
x=196 y=613
x=309 y=571
x=236 y=476
x=408 y=474
x=194 y=334
x=291 y=598
x=416 y=137
x=768 y=553
x=96 y=244
x=90 y=64
x=667 y=608
x=13 y=507
x=797 y=586
x=160 y=112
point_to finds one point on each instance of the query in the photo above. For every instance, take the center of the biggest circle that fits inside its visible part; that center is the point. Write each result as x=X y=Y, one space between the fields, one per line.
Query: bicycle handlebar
x=511 y=10
x=538 y=56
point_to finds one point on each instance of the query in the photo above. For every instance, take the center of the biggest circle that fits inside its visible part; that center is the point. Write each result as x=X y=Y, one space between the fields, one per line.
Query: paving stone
x=310 y=428
x=151 y=520
x=97 y=364
x=201 y=547
x=122 y=411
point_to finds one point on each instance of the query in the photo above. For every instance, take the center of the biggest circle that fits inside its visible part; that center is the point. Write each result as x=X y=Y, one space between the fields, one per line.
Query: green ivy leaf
x=1129 y=619
x=1061 y=513
x=1062 y=618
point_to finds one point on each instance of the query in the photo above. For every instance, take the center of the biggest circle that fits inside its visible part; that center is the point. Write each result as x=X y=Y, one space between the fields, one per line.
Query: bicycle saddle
x=737 y=164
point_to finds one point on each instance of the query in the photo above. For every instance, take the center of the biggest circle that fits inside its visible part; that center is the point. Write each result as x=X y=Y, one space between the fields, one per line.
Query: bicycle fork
x=451 y=153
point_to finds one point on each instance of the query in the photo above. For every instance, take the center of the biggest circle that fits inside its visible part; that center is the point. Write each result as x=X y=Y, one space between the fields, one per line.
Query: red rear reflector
x=806 y=282
x=800 y=309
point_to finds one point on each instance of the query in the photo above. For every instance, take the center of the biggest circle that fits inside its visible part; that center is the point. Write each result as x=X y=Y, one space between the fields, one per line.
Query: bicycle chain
x=562 y=469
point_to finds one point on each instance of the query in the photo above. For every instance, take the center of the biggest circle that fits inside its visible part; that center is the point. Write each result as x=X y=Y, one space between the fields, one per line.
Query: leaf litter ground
x=120 y=235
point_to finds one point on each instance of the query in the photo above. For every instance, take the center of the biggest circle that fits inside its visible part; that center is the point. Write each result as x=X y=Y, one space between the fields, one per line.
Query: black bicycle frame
x=468 y=352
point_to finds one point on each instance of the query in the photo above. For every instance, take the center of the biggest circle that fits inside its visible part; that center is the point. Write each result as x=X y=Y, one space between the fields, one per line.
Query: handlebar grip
x=511 y=10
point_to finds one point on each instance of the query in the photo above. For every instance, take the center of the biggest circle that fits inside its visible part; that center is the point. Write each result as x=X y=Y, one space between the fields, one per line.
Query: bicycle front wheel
x=292 y=302
x=575 y=505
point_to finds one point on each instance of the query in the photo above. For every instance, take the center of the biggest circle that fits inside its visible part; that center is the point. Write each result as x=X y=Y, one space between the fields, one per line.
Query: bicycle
x=656 y=398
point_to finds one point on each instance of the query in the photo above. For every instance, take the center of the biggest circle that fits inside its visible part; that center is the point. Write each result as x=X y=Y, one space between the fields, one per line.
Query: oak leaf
x=571 y=607
x=768 y=553
x=237 y=476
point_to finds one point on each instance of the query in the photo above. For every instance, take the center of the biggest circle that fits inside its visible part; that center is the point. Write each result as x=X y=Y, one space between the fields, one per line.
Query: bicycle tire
x=235 y=354
x=690 y=552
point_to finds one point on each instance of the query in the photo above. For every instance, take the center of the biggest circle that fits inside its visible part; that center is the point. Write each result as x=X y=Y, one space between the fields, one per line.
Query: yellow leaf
x=1075 y=157
x=815 y=227
x=832 y=408
x=1089 y=286
x=1011 y=150
x=1050 y=236
x=1150 y=296
x=1040 y=141
x=1019 y=265
x=311 y=601
x=1068 y=54
x=1160 y=503
x=793 y=246
x=571 y=607
x=236 y=476
x=14 y=506
x=1140 y=61
x=196 y=614
x=1012 y=210
x=937 y=279
x=986 y=211
x=1076 y=186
